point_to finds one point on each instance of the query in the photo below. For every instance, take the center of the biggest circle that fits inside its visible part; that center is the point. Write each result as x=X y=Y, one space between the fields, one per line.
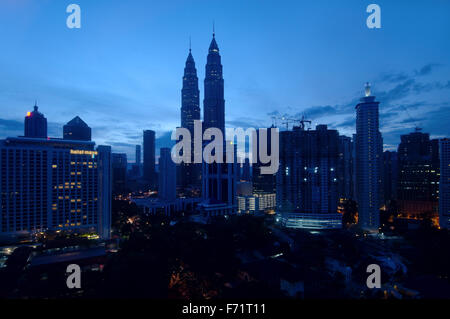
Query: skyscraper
x=135 y=172
x=307 y=185
x=368 y=161
x=54 y=184
x=119 y=173
x=418 y=183
x=77 y=129
x=138 y=155
x=149 y=157
x=190 y=111
x=214 y=102
x=104 y=165
x=390 y=163
x=263 y=183
x=345 y=167
x=354 y=184
x=167 y=176
x=35 y=124
x=246 y=170
x=218 y=179
x=444 y=185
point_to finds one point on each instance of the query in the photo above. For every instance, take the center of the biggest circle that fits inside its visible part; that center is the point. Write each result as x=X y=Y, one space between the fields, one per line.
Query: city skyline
x=311 y=156
x=412 y=89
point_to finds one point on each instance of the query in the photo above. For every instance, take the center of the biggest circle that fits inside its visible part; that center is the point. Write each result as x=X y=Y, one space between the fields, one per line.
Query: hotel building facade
x=54 y=184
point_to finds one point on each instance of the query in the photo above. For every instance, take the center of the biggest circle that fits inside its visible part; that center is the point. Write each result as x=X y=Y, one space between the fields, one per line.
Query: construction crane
x=274 y=121
x=286 y=120
x=303 y=121
x=412 y=120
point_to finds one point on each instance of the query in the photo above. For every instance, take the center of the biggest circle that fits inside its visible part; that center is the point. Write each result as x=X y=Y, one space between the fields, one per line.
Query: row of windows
x=73 y=189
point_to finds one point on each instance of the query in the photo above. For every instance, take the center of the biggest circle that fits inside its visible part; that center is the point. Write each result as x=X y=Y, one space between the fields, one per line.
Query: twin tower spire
x=213 y=103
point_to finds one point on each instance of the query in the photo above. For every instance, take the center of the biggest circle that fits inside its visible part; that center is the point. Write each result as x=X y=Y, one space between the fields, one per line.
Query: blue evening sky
x=122 y=71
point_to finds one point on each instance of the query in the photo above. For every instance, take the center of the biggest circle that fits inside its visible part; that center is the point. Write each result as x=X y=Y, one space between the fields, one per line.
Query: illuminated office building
x=264 y=195
x=444 y=186
x=307 y=185
x=345 y=168
x=368 y=152
x=418 y=176
x=35 y=124
x=256 y=203
x=54 y=184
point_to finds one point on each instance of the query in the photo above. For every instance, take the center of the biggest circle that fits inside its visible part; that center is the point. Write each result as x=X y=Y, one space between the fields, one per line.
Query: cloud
x=409 y=120
x=10 y=126
x=398 y=92
x=427 y=69
x=119 y=144
x=244 y=122
x=388 y=115
x=394 y=77
x=427 y=87
x=318 y=111
x=164 y=140
x=437 y=121
x=118 y=118
x=349 y=122
x=409 y=82
x=400 y=107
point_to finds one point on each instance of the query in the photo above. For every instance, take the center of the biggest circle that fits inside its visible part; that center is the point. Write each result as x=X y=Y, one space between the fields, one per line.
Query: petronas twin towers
x=213 y=104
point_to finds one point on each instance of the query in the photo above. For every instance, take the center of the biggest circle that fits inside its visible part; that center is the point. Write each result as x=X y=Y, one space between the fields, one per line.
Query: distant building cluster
x=319 y=169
